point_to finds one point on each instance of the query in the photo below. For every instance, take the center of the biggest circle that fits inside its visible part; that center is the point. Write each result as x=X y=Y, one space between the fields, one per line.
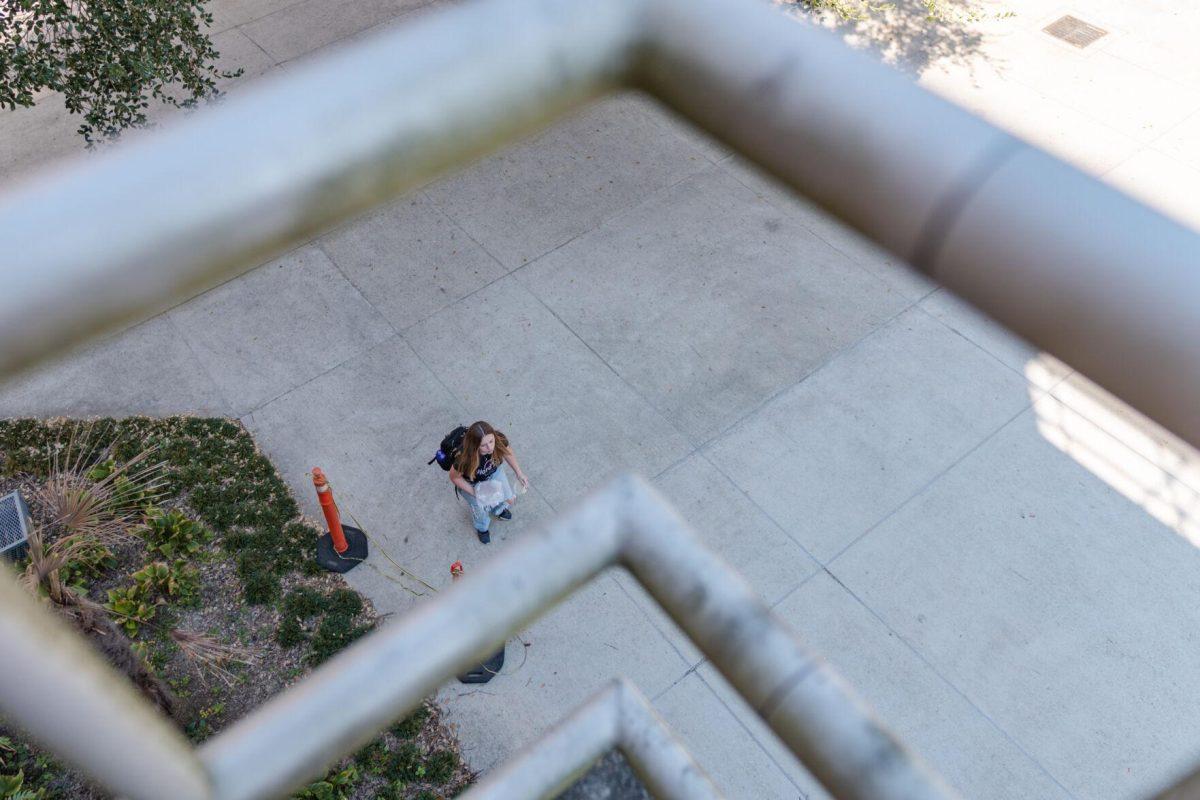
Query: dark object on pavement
x=485 y=671
x=334 y=561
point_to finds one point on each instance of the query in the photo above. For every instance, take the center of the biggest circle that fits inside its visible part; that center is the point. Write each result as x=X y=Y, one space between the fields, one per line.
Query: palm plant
x=85 y=510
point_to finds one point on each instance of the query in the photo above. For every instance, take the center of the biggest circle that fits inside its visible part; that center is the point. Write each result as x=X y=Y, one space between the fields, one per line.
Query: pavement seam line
x=187 y=341
x=1175 y=479
x=275 y=62
x=937 y=673
x=322 y=374
x=967 y=338
x=689 y=671
x=772 y=520
x=673 y=466
x=633 y=206
x=256 y=19
x=441 y=211
x=829 y=359
x=929 y=484
x=750 y=733
x=732 y=168
x=1142 y=145
x=321 y=246
x=115 y=333
x=333 y=42
x=820 y=569
x=650 y=620
x=620 y=377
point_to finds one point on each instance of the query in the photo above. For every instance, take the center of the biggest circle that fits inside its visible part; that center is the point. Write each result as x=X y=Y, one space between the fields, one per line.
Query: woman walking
x=484 y=452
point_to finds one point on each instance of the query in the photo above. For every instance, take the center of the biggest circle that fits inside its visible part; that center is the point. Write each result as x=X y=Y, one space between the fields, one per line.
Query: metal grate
x=1074 y=31
x=14 y=530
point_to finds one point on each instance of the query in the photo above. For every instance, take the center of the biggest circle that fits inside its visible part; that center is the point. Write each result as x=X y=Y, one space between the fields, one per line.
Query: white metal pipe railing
x=1072 y=265
x=341 y=705
x=618 y=716
x=58 y=689
x=554 y=762
x=295 y=736
x=1069 y=263
x=125 y=234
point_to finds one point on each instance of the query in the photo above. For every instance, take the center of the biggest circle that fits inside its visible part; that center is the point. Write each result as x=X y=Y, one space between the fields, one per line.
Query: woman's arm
x=511 y=460
x=458 y=480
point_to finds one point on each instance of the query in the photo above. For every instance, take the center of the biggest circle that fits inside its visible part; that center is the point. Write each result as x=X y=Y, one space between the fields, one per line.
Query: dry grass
x=86 y=509
x=104 y=507
x=210 y=656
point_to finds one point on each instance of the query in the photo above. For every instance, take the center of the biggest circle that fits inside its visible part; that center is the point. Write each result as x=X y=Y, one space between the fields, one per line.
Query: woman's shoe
x=505 y=514
x=484 y=536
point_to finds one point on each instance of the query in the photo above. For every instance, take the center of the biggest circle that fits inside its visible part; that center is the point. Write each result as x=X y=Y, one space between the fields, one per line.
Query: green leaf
x=108 y=61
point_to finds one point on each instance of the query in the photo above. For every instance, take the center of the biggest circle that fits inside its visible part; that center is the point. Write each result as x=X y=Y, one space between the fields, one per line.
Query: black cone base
x=334 y=561
x=485 y=671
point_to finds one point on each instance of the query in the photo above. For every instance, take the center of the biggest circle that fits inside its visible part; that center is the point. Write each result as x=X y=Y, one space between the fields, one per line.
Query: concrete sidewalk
x=996 y=554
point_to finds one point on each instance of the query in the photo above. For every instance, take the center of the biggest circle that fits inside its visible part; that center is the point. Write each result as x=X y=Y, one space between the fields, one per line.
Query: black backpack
x=449 y=449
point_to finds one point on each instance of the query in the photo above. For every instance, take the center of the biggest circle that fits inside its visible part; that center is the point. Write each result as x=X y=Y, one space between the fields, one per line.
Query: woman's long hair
x=468 y=459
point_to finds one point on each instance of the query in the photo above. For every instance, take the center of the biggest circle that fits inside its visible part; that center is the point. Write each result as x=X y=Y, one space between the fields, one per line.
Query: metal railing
x=1069 y=263
x=343 y=704
x=1072 y=265
x=618 y=717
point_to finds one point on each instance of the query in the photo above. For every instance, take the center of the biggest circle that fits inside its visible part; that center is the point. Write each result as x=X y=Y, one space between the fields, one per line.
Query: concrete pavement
x=999 y=556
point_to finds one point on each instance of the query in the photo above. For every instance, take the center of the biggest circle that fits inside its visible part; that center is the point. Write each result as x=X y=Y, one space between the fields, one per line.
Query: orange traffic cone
x=344 y=547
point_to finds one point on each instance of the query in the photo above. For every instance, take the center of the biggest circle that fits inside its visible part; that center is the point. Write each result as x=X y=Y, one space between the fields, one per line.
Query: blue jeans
x=480 y=516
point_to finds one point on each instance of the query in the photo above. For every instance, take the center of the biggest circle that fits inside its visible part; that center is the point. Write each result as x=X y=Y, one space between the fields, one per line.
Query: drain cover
x=14 y=530
x=1074 y=31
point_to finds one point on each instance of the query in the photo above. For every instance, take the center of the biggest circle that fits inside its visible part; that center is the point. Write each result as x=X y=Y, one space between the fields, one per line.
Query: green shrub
x=203 y=725
x=129 y=605
x=289 y=633
x=393 y=791
x=410 y=726
x=102 y=470
x=92 y=560
x=25 y=773
x=260 y=587
x=12 y=787
x=125 y=492
x=335 y=633
x=259 y=583
x=440 y=766
x=177 y=581
x=374 y=758
x=300 y=540
x=173 y=535
x=344 y=602
x=213 y=464
x=303 y=602
x=334 y=786
x=406 y=762
x=236 y=541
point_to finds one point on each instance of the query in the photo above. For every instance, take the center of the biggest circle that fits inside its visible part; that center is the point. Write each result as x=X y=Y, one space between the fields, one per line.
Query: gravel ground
x=611 y=779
